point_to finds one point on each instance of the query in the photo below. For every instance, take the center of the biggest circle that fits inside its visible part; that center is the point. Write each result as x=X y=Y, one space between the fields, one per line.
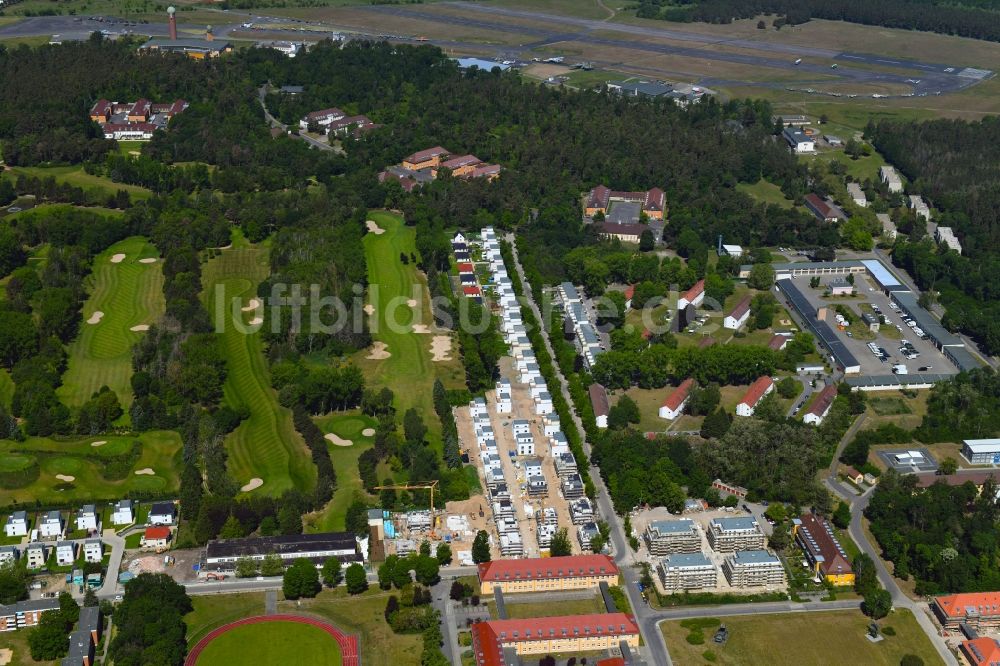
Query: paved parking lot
x=926 y=464
x=930 y=359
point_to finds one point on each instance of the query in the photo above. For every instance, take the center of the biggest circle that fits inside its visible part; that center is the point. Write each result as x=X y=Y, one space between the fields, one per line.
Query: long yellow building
x=547 y=574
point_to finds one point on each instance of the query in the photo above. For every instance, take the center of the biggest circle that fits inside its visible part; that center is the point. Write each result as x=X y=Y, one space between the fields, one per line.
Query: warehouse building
x=981 y=451
x=547 y=574
x=665 y=537
x=731 y=534
x=221 y=555
x=753 y=568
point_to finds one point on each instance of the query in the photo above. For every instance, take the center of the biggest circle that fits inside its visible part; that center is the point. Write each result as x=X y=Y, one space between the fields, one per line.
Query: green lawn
x=408 y=371
x=649 y=402
x=85 y=463
x=803 y=638
x=129 y=294
x=266 y=445
x=17 y=642
x=6 y=388
x=345 y=463
x=362 y=616
x=211 y=611
x=272 y=643
x=766 y=193
x=77 y=177
x=516 y=610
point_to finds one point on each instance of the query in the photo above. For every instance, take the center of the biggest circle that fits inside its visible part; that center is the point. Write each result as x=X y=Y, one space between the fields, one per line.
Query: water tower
x=172 y=23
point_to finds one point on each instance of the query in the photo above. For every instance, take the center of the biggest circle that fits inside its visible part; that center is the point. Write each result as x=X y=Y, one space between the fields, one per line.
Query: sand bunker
x=378 y=352
x=368 y=432
x=412 y=303
x=65 y=477
x=138 y=328
x=145 y=471
x=369 y=309
x=101 y=442
x=374 y=228
x=256 y=321
x=421 y=328
x=253 y=484
x=96 y=317
x=338 y=440
x=118 y=258
x=148 y=260
x=252 y=304
x=441 y=348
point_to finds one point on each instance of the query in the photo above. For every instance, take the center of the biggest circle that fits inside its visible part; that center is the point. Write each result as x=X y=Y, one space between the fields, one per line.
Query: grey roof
x=88 y=508
x=61 y=544
x=672 y=526
x=18 y=515
x=187 y=44
x=282 y=545
x=827 y=336
x=123 y=504
x=292 y=90
x=90 y=618
x=645 y=88
x=624 y=212
x=29 y=605
x=925 y=320
x=52 y=515
x=737 y=523
x=795 y=135
x=90 y=542
x=962 y=358
x=801 y=265
x=570 y=290
x=896 y=380
x=753 y=557
x=80 y=648
x=687 y=560
x=163 y=508
x=881 y=272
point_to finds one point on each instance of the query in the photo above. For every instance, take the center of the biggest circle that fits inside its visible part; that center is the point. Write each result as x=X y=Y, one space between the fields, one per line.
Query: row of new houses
x=51 y=524
x=588 y=344
x=36 y=554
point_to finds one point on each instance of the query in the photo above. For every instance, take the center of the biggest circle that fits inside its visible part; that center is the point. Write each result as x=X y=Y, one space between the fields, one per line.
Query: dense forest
x=967 y=18
x=954 y=165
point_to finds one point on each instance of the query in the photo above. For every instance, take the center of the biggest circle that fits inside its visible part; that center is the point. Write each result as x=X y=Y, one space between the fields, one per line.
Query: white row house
x=551 y=424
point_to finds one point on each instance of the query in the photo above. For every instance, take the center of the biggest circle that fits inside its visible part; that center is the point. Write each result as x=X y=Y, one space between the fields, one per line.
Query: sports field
x=265 y=446
x=129 y=294
x=408 y=370
x=77 y=469
x=272 y=644
x=348 y=426
x=791 y=640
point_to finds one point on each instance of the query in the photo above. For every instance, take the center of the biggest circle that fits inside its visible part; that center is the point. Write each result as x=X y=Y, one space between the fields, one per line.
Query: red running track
x=348 y=644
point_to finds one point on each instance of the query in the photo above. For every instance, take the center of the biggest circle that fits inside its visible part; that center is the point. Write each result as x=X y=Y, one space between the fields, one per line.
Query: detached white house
x=675 y=403
x=760 y=388
x=35 y=555
x=163 y=513
x=65 y=553
x=9 y=554
x=821 y=406
x=17 y=524
x=543 y=404
x=93 y=550
x=86 y=518
x=51 y=525
x=123 y=513
x=694 y=296
x=857 y=195
x=735 y=319
x=798 y=141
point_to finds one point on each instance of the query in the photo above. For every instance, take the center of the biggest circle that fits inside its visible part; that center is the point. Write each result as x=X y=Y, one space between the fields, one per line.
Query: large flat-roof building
x=822 y=549
x=753 y=568
x=551 y=635
x=547 y=574
x=982 y=451
x=221 y=555
x=664 y=537
x=25 y=613
x=198 y=49
x=730 y=534
x=687 y=571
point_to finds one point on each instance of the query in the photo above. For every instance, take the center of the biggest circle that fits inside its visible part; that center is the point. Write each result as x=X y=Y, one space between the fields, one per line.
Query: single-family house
x=51 y=525
x=155 y=538
x=17 y=524
x=735 y=319
x=673 y=405
x=9 y=554
x=65 y=553
x=86 y=518
x=853 y=475
x=163 y=513
x=35 y=555
x=93 y=550
x=123 y=513
x=599 y=401
x=760 y=388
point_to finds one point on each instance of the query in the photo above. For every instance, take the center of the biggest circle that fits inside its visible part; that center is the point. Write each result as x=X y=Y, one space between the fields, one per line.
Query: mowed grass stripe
x=128 y=293
x=265 y=445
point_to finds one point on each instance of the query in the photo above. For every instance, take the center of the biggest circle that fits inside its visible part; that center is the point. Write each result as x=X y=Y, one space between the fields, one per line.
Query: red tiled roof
x=654 y=199
x=598 y=197
x=470 y=291
x=323 y=113
x=347 y=121
x=982 y=651
x=629 y=292
x=489 y=637
x=678 y=395
x=777 y=342
x=141 y=107
x=101 y=107
x=612 y=661
x=460 y=161
x=954 y=605
x=465 y=268
x=178 y=106
x=851 y=472
x=822 y=404
x=741 y=308
x=544 y=568
x=485 y=170
x=612 y=229
x=756 y=391
x=157 y=533
x=422 y=155
x=599 y=400
x=824 y=544
x=694 y=292
x=977 y=477
x=819 y=207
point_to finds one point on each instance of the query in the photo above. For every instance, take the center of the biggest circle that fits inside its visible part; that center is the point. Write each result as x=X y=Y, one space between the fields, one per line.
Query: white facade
x=746 y=409
x=65 y=553
x=93 y=550
x=670 y=414
x=543 y=404
x=735 y=323
x=34 y=555
x=123 y=513
x=17 y=524
x=891 y=179
x=86 y=518
x=916 y=203
x=164 y=517
x=51 y=525
x=857 y=195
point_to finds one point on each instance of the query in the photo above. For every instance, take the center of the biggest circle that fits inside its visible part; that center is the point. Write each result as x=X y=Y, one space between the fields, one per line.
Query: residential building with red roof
x=735 y=319
x=982 y=651
x=675 y=402
x=134 y=121
x=487 y=171
x=821 y=547
x=821 y=406
x=101 y=111
x=425 y=159
x=139 y=113
x=626 y=233
x=629 y=293
x=547 y=574
x=853 y=474
x=355 y=125
x=461 y=165
x=976 y=477
x=155 y=537
x=777 y=342
x=821 y=209
x=980 y=610
x=551 y=635
x=760 y=388
x=466 y=268
x=599 y=401
x=652 y=201
x=694 y=296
